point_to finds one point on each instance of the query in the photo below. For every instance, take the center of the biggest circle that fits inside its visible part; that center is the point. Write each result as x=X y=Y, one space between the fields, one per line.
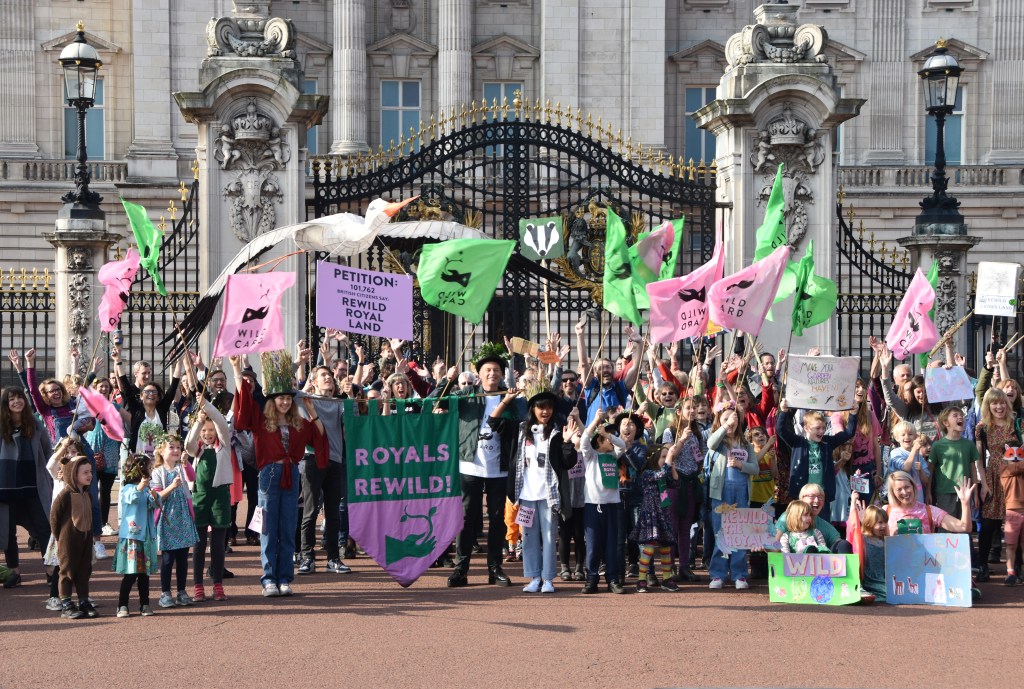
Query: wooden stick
x=785 y=370
x=92 y=358
x=274 y=261
x=547 y=306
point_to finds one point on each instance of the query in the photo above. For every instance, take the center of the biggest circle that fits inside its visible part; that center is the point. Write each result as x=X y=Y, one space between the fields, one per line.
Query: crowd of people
x=625 y=464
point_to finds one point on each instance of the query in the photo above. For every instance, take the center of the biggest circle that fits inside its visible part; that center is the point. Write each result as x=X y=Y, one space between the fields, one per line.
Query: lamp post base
x=80 y=211
x=944 y=229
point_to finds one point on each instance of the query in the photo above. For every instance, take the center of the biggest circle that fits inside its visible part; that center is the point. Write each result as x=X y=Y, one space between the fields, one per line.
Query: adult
x=327 y=482
x=814 y=495
x=906 y=508
x=911 y=404
x=997 y=431
x=280 y=436
x=148 y=405
x=50 y=398
x=487 y=443
x=217 y=392
x=26 y=487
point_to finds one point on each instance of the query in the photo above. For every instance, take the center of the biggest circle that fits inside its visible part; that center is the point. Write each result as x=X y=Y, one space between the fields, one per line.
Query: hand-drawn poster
x=822 y=382
x=928 y=569
x=813 y=578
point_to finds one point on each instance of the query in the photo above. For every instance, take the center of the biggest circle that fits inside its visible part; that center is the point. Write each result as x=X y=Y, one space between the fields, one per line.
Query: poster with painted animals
x=928 y=569
x=813 y=578
x=822 y=382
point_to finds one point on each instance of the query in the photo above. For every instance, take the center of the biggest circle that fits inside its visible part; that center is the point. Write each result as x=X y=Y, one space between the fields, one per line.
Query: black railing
x=28 y=303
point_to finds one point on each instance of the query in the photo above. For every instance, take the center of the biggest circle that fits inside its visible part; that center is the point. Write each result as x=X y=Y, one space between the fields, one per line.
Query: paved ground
x=363 y=630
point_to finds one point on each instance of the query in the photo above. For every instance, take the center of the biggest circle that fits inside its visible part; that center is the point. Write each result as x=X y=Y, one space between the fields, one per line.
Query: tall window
x=399 y=110
x=94 y=143
x=500 y=91
x=698 y=143
x=309 y=86
x=952 y=138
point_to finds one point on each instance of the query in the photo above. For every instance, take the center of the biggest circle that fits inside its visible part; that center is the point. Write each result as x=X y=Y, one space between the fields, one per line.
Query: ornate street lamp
x=81 y=63
x=940 y=77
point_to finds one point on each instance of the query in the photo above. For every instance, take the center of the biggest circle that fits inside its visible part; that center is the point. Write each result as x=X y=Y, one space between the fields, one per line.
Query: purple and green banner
x=404 y=490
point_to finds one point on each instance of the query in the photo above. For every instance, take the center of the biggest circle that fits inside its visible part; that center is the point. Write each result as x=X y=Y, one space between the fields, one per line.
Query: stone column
x=779 y=102
x=18 y=80
x=560 y=52
x=349 y=87
x=645 y=99
x=82 y=246
x=950 y=252
x=454 y=54
x=151 y=153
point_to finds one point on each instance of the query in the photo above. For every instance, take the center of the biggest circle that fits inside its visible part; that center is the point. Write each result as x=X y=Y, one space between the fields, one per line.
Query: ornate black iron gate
x=491 y=165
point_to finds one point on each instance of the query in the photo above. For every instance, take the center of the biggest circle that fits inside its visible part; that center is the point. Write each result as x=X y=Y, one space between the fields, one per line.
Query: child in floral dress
x=135 y=557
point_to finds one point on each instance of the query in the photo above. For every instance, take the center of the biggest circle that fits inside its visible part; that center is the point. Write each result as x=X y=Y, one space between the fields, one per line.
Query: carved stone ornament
x=79 y=258
x=80 y=314
x=402 y=18
x=949 y=262
x=253 y=145
x=945 y=303
x=777 y=38
x=249 y=32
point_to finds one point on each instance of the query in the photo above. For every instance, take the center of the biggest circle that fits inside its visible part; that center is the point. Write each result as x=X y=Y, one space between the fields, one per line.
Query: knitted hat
x=278 y=378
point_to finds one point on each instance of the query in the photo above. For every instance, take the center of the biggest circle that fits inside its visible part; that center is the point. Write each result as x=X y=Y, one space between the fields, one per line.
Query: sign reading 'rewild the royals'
x=364 y=302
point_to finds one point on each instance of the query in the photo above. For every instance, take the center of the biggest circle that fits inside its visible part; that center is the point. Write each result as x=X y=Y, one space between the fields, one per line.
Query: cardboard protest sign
x=541 y=238
x=744 y=528
x=363 y=301
x=252 y=320
x=944 y=385
x=822 y=382
x=404 y=488
x=928 y=569
x=996 y=293
x=813 y=578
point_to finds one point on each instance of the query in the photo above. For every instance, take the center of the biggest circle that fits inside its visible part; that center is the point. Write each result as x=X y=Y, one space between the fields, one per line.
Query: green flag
x=772 y=233
x=619 y=297
x=668 y=268
x=816 y=296
x=653 y=257
x=933 y=280
x=148 y=239
x=460 y=275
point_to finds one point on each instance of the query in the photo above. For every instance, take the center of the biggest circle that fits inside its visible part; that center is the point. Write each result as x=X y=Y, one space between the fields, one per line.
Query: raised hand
x=959 y=359
x=15 y=358
x=562 y=352
x=360 y=352
x=814 y=351
x=965 y=489
x=1001 y=356
x=581 y=324
x=885 y=357
x=396 y=346
x=30 y=358
x=712 y=354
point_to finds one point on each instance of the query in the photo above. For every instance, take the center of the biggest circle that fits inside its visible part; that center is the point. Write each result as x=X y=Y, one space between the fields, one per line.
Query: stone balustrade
x=920 y=176
x=37 y=170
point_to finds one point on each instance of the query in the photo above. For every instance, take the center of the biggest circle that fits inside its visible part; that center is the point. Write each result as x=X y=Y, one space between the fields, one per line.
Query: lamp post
x=940 y=77
x=80 y=63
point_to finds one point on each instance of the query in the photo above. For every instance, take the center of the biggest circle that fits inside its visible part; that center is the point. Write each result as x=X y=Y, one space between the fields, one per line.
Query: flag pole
x=785 y=371
x=547 y=306
x=92 y=358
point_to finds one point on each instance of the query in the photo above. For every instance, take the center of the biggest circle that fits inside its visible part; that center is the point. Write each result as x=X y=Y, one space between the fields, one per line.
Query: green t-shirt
x=952 y=460
x=815 y=472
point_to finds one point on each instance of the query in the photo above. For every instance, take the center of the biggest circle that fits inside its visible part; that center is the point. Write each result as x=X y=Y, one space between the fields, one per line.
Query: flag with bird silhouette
x=816 y=296
x=252 y=320
x=679 y=306
x=742 y=300
x=618 y=281
x=912 y=331
x=460 y=275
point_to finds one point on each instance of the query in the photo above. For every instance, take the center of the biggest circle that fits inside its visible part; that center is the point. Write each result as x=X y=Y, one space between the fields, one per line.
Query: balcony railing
x=915 y=177
x=22 y=170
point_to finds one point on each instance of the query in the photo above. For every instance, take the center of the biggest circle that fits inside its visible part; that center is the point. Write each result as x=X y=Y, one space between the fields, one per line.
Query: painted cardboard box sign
x=813 y=578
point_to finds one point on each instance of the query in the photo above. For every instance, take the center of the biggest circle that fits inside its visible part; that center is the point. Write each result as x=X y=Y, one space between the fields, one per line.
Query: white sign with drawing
x=827 y=383
x=997 y=289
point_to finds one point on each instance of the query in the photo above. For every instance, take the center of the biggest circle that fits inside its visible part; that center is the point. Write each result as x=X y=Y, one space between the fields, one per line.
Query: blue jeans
x=601 y=534
x=539 y=555
x=280 y=514
x=733 y=493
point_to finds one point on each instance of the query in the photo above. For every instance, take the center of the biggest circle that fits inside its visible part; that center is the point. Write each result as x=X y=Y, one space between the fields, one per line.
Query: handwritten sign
x=813 y=578
x=861 y=484
x=747 y=527
x=997 y=289
x=928 y=569
x=822 y=382
x=524 y=516
x=578 y=470
x=363 y=301
x=944 y=385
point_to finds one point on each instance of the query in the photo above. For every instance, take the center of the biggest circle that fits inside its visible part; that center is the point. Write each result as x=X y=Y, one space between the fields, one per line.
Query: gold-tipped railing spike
x=972 y=282
x=851 y=214
x=494 y=109
x=517 y=101
x=579 y=120
x=195 y=169
x=547 y=111
x=860 y=232
x=504 y=108
x=536 y=109
x=692 y=171
x=558 y=113
x=600 y=129
x=162 y=225
x=701 y=170
x=183 y=192
x=590 y=124
x=871 y=243
x=661 y=164
x=432 y=129
x=841 y=196
x=714 y=168
x=173 y=210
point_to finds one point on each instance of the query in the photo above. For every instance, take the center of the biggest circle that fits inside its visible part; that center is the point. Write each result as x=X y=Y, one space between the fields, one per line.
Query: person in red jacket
x=280 y=437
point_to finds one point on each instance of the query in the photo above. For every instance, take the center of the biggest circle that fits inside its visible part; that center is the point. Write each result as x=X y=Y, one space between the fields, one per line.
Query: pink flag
x=117 y=277
x=104 y=410
x=679 y=306
x=912 y=332
x=252 y=314
x=741 y=301
x=653 y=248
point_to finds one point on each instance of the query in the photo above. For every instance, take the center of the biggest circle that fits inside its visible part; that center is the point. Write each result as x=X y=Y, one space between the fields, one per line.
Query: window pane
x=708 y=154
x=492 y=90
x=410 y=94
x=694 y=99
x=709 y=95
x=94 y=134
x=309 y=86
x=389 y=94
x=99 y=93
x=388 y=127
x=952 y=140
x=693 y=141
x=959 y=105
x=510 y=90
x=70 y=133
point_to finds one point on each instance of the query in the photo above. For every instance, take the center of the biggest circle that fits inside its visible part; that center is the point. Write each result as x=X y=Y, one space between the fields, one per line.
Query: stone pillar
x=778 y=102
x=454 y=54
x=560 y=52
x=645 y=97
x=151 y=154
x=82 y=246
x=252 y=119
x=18 y=80
x=950 y=252
x=349 y=87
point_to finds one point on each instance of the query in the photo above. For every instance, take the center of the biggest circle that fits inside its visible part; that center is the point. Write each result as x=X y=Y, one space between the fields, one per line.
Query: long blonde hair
x=161 y=445
x=271 y=418
x=995 y=395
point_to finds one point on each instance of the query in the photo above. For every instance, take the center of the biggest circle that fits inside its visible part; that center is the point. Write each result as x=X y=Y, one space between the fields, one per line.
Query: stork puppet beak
x=391 y=210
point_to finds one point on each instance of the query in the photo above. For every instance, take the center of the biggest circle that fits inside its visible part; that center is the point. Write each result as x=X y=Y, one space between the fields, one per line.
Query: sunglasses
x=568 y=380
x=150 y=393
x=54 y=391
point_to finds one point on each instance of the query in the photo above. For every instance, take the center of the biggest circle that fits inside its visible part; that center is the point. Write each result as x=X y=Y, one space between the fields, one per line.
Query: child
x=209 y=441
x=135 y=558
x=908 y=457
x=801 y=536
x=733 y=464
x=763 y=485
x=653 y=528
x=630 y=428
x=687 y=453
x=1012 y=480
x=513 y=533
x=602 y=505
x=867 y=529
x=175 y=527
x=71 y=526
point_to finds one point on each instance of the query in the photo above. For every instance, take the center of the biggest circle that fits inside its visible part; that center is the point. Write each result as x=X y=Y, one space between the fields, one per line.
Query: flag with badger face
x=541 y=239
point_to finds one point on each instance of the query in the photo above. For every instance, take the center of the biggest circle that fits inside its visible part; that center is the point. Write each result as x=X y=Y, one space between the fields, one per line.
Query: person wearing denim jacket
x=733 y=465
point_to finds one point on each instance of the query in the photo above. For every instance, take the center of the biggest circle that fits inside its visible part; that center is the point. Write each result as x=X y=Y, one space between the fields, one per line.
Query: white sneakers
x=100 y=551
x=715 y=584
x=108 y=530
x=548 y=587
x=742 y=584
x=536 y=584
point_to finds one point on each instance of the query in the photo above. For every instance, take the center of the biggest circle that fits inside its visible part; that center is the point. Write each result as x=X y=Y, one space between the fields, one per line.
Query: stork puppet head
x=380 y=211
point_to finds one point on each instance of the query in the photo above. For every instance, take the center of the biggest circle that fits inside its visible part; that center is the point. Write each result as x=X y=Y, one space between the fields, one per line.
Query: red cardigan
x=269 y=448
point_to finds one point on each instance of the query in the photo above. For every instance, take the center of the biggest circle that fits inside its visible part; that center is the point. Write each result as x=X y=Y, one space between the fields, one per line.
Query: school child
x=175 y=526
x=66 y=449
x=135 y=558
x=688 y=448
x=801 y=536
x=732 y=463
x=209 y=442
x=602 y=505
x=630 y=428
x=653 y=530
x=866 y=529
x=909 y=457
x=1012 y=482
x=71 y=526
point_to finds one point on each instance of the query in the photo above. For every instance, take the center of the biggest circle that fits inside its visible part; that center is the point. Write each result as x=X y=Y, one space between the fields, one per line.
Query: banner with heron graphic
x=404 y=491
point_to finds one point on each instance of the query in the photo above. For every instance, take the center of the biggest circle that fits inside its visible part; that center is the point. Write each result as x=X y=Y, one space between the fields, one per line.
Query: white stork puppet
x=343 y=234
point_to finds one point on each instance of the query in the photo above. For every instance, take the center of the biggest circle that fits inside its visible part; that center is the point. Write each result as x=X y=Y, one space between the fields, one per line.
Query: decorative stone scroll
x=777 y=38
x=249 y=32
